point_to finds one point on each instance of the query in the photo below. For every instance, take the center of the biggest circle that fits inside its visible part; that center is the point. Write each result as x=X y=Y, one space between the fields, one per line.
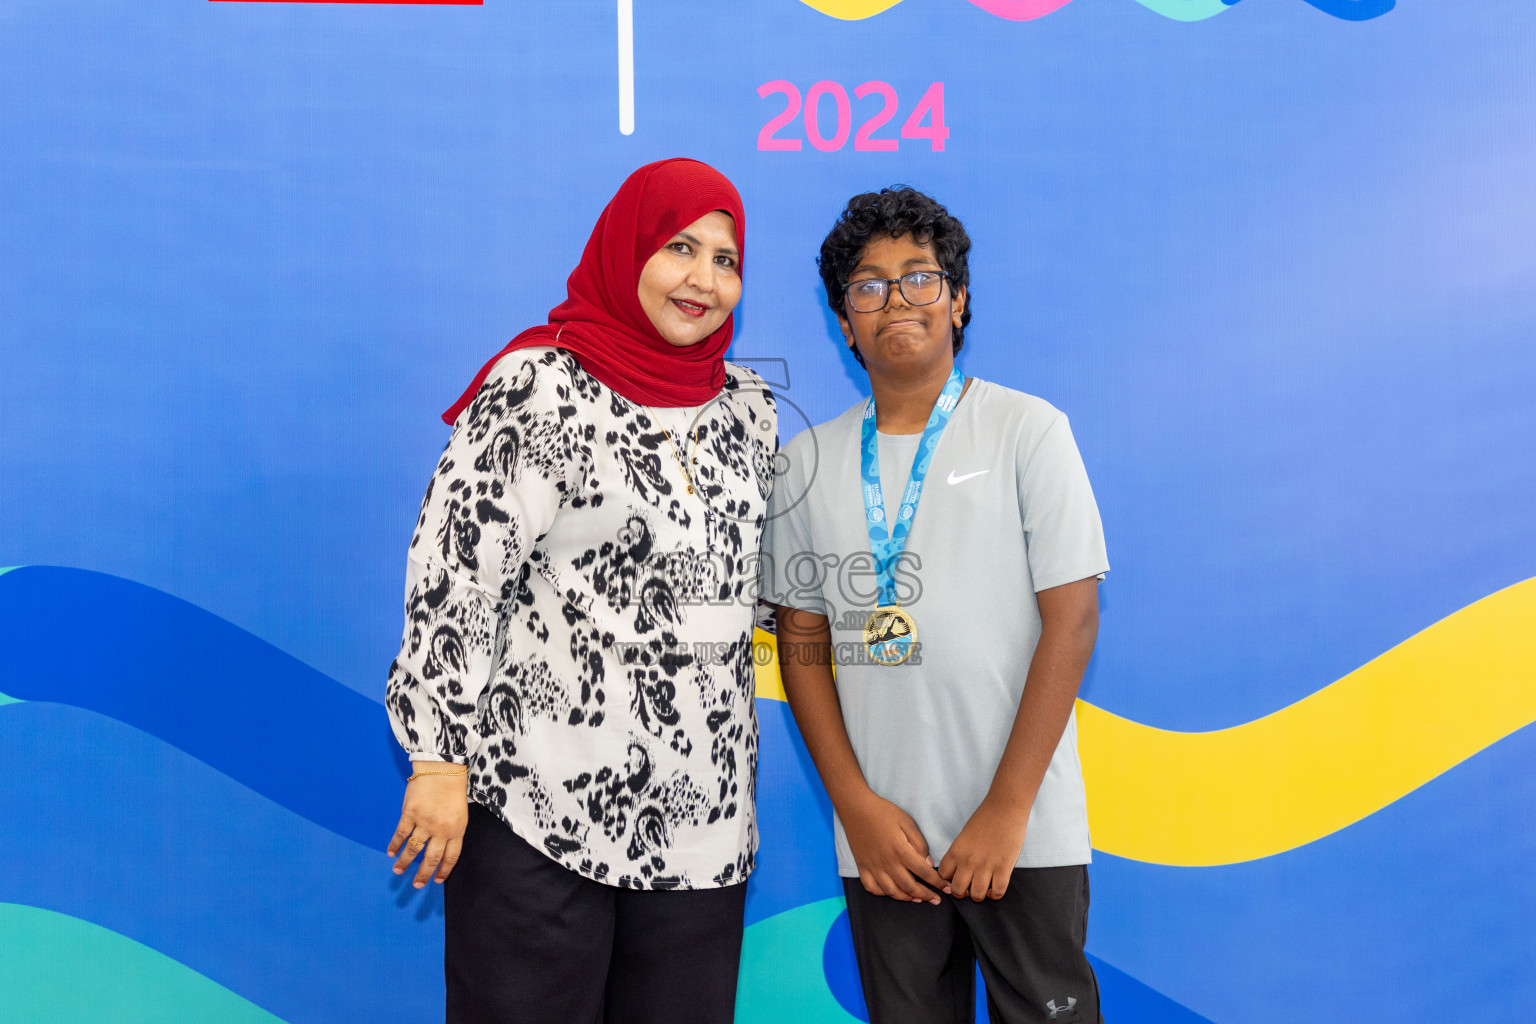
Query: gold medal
x=890 y=635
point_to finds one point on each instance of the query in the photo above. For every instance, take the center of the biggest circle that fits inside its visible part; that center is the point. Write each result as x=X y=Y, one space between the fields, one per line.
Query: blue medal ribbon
x=887 y=544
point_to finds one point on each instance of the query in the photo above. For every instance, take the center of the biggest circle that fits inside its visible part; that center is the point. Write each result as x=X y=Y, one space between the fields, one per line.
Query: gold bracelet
x=416 y=775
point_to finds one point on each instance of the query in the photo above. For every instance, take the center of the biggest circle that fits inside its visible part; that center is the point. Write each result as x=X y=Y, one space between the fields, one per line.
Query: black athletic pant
x=530 y=942
x=915 y=959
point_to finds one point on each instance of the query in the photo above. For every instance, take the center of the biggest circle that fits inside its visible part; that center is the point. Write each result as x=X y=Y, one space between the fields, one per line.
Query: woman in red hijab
x=575 y=682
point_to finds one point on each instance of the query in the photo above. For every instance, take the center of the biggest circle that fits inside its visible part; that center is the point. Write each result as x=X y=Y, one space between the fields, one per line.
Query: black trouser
x=530 y=942
x=915 y=959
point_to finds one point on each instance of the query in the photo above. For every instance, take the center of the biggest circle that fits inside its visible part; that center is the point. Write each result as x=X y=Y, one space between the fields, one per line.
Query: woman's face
x=693 y=282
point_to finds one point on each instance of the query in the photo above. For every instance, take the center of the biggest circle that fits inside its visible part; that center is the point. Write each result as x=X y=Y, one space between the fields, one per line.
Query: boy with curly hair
x=963 y=623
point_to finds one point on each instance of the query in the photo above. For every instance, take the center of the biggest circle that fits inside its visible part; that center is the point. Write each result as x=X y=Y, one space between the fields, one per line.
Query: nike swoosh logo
x=961 y=479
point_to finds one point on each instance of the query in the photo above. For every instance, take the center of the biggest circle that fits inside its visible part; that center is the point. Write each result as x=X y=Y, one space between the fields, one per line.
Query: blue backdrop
x=1274 y=258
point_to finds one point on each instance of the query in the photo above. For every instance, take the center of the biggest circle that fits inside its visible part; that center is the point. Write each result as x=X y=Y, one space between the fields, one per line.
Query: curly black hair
x=894 y=212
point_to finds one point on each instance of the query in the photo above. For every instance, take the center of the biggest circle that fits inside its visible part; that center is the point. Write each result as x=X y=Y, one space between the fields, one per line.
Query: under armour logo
x=1063 y=1012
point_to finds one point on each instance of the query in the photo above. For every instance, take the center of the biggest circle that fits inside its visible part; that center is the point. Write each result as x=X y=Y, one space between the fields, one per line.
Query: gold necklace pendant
x=677 y=451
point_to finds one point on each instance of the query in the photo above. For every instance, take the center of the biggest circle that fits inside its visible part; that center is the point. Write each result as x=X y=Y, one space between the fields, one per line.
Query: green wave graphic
x=57 y=969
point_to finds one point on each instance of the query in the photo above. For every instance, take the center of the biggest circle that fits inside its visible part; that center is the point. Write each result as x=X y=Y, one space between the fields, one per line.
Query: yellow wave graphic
x=851 y=10
x=770 y=685
x=1319 y=765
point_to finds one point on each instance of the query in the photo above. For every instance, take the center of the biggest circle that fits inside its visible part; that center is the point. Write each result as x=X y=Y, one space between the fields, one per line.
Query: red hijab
x=601 y=322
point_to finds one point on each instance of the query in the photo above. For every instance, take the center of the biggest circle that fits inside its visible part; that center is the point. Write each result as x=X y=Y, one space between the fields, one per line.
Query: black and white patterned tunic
x=579 y=628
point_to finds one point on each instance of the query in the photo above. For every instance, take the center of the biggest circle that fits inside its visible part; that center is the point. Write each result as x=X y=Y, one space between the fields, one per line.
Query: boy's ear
x=842 y=322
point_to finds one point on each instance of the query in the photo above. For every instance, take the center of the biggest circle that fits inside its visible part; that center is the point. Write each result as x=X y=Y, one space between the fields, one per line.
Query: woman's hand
x=432 y=819
x=890 y=851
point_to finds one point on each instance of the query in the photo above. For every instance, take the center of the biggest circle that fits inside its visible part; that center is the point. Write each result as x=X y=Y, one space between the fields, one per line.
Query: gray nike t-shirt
x=1006 y=511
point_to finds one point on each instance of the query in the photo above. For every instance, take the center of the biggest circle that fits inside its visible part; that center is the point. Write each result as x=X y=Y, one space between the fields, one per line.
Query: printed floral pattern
x=579 y=627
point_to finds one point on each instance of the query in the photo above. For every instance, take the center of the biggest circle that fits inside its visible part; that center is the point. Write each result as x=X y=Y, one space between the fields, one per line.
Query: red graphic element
x=457 y=3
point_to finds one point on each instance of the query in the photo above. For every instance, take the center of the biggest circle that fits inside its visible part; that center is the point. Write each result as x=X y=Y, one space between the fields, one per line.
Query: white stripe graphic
x=626 y=67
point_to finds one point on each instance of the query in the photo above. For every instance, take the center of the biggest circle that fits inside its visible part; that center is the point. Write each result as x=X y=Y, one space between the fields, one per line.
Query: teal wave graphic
x=781 y=975
x=57 y=969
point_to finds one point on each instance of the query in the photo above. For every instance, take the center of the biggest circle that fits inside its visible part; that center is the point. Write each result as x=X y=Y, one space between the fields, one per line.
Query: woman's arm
x=496 y=490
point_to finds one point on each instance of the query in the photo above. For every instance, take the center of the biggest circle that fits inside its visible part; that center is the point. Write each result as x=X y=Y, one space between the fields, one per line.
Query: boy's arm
x=981 y=861
x=887 y=846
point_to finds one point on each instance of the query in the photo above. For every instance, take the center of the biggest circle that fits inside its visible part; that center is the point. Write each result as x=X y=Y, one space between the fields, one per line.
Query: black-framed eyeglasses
x=920 y=288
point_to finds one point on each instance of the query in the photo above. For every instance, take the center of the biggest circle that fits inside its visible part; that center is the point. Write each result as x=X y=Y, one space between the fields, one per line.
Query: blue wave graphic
x=246 y=708
x=143 y=839
x=1349 y=10
x=225 y=804
x=796 y=863
x=1354 y=10
x=205 y=686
